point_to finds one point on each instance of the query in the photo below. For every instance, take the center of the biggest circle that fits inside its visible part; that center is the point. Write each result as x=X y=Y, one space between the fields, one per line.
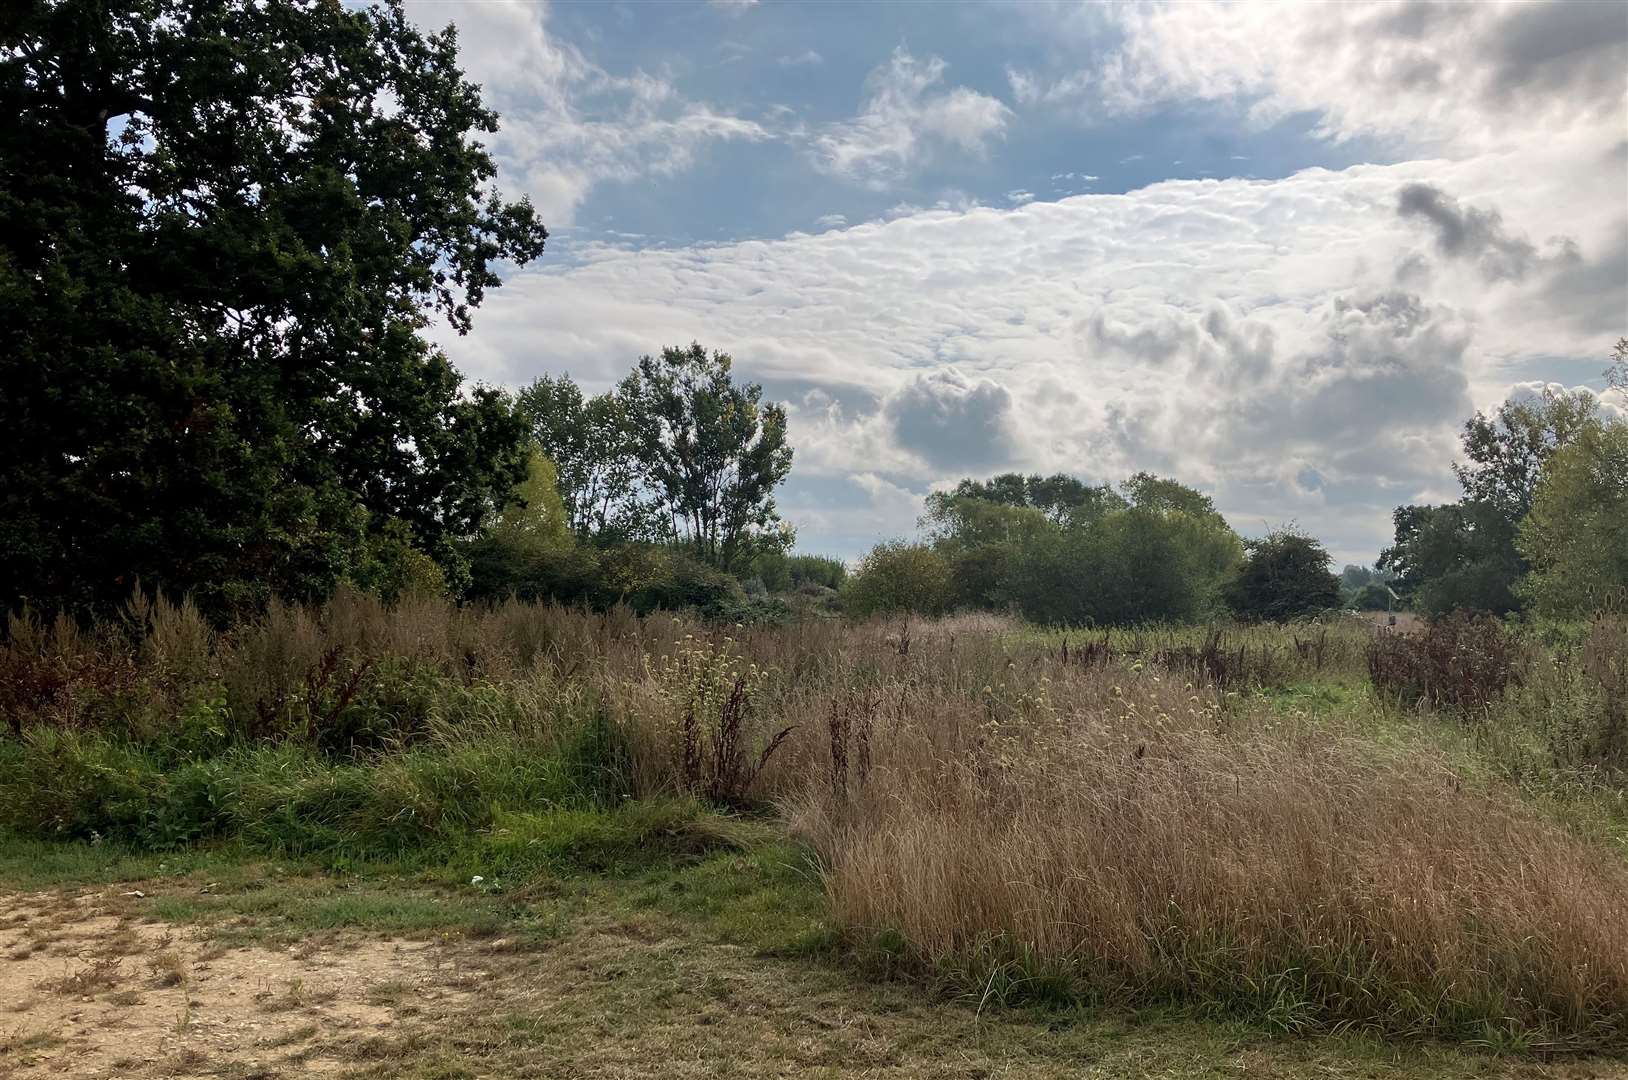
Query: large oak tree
x=224 y=228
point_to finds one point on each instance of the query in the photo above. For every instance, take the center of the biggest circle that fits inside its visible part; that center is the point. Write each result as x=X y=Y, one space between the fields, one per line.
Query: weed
x=1462 y=662
x=100 y=974
x=167 y=968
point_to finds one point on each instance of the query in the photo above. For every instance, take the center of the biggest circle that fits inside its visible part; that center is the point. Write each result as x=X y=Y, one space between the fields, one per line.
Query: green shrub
x=899 y=577
x=292 y=796
x=71 y=785
x=1577 y=701
x=565 y=575
x=1371 y=597
x=1126 y=567
x=1285 y=575
x=819 y=570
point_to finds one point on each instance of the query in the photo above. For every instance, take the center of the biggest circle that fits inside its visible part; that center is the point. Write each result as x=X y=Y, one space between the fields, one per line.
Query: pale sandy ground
x=88 y=993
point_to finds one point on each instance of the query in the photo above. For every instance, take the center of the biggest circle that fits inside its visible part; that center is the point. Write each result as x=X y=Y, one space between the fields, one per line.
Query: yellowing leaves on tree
x=537 y=521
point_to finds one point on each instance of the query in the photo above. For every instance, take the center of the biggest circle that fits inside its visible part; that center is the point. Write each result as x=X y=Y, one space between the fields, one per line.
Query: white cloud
x=1613 y=404
x=567 y=123
x=809 y=58
x=733 y=7
x=1483 y=75
x=905 y=119
x=1018 y=196
x=1243 y=335
x=1304 y=348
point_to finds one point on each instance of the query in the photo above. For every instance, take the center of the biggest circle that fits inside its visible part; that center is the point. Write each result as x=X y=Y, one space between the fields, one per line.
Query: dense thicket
x=1285 y=575
x=225 y=227
x=1059 y=551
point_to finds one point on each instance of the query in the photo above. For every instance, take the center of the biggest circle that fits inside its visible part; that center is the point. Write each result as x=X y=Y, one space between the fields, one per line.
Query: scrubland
x=1396 y=844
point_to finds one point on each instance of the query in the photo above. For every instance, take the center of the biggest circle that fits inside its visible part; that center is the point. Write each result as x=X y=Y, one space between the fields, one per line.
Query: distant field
x=435 y=842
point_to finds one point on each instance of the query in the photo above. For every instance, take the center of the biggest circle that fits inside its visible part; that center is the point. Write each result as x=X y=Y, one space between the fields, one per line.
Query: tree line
x=1060 y=551
x=1542 y=529
x=224 y=232
x=1542 y=526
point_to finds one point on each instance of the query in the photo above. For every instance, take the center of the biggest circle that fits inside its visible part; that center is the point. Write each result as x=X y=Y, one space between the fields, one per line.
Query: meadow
x=1317 y=847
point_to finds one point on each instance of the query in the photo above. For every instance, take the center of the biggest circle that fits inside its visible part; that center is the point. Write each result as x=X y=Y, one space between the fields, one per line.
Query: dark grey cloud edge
x=1470 y=233
x=1571 y=53
x=953 y=423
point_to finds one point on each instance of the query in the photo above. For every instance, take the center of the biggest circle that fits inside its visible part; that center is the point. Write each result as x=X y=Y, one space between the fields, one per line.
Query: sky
x=1278 y=252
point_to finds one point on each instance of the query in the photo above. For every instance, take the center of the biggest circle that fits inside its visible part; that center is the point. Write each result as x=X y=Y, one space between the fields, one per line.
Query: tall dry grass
x=1103 y=822
x=1128 y=839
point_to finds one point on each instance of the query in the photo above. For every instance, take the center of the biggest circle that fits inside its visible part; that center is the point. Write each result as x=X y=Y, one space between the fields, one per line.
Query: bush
x=1285 y=575
x=1371 y=597
x=1128 y=567
x=1577 y=702
x=646 y=577
x=1461 y=662
x=899 y=577
x=670 y=579
x=802 y=570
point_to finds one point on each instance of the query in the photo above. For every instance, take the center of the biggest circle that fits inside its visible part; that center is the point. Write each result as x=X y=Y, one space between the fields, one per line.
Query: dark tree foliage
x=1461 y=555
x=1354 y=577
x=223 y=228
x=1063 y=499
x=1464 y=555
x=1284 y=575
x=1060 y=551
x=1373 y=596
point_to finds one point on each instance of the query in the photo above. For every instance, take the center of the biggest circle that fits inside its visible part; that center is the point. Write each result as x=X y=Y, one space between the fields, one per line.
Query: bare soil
x=88 y=988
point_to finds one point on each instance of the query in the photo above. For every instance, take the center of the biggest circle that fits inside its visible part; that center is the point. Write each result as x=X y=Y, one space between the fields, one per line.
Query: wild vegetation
x=1126 y=818
x=281 y=592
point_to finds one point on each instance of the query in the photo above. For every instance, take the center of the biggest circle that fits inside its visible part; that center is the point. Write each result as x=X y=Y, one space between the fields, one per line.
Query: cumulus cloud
x=567 y=123
x=1612 y=404
x=906 y=118
x=1241 y=335
x=1468 y=233
x=1461 y=74
x=952 y=422
x=1303 y=348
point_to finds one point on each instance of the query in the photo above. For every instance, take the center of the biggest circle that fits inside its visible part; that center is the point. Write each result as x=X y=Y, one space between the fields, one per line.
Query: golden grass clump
x=1131 y=840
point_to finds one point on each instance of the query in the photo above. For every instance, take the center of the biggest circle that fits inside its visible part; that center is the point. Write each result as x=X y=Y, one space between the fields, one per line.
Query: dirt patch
x=89 y=988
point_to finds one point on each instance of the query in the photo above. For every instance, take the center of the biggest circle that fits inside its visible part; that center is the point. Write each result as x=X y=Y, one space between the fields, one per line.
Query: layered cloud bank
x=1304 y=348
